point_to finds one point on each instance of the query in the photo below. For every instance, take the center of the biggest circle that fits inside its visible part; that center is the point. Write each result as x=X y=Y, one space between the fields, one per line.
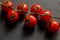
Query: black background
x=18 y=32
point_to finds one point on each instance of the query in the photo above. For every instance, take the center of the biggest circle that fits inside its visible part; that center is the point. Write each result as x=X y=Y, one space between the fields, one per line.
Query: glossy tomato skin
x=16 y=16
x=32 y=20
x=5 y=8
x=53 y=27
x=37 y=8
x=47 y=17
x=24 y=7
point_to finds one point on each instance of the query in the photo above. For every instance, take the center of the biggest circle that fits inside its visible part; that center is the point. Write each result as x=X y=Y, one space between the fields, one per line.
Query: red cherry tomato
x=36 y=8
x=53 y=26
x=7 y=4
x=23 y=7
x=30 y=21
x=47 y=16
x=12 y=16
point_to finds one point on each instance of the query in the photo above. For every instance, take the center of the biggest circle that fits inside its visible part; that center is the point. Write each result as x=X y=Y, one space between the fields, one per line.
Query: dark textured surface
x=18 y=32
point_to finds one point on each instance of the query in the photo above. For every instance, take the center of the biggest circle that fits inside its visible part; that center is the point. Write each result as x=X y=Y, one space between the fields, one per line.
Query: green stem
x=51 y=16
x=26 y=11
x=55 y=17
x=7 y=1
x=12 y=8
x=6 y=6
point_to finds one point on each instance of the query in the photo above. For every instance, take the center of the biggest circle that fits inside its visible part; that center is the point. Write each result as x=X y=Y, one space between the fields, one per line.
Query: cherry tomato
x=12 y=16
x=23 y=7
x=36 y=8
x=53 y=26
x=47 y=16
x=7 y=4
x=30 y=21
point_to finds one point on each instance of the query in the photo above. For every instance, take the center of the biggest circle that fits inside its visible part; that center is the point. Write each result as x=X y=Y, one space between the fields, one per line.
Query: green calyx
x=33 y=13
x=27 y=21
x=21 y=4
x=12 y=17
x=36 y=8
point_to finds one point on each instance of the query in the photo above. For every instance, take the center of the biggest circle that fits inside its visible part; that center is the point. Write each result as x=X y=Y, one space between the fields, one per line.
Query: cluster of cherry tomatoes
x=31 y=18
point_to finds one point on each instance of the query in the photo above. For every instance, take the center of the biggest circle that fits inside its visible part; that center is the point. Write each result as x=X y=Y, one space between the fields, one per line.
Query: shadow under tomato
x=9 y=26
x=41 y=25
x=3 y=15
x=27 y=31
x=50 y=36
x=21 y=18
